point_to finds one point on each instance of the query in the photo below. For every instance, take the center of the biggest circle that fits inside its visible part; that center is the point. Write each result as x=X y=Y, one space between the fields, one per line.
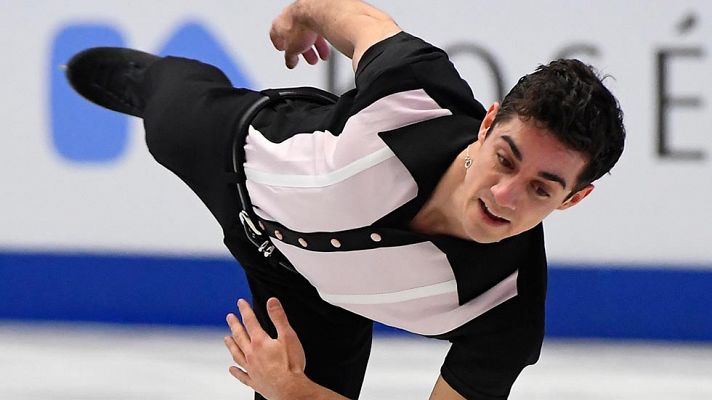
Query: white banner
x=85 y=182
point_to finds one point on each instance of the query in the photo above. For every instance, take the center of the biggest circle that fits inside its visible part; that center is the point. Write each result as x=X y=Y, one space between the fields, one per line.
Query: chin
x=486 y=237
x=494 y=240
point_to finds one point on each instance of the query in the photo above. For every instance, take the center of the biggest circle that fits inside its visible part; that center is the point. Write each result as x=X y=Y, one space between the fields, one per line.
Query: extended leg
x=190 y=111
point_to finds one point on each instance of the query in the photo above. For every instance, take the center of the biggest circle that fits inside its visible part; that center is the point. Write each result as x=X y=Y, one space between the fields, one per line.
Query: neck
x=439 y=214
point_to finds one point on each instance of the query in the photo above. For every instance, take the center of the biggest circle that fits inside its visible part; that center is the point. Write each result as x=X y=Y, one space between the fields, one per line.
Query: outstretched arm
x=351 y=26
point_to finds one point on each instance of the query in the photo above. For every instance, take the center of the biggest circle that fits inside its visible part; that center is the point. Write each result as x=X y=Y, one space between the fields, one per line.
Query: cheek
x=480 y=174
x=472 y=178
x=536 y=213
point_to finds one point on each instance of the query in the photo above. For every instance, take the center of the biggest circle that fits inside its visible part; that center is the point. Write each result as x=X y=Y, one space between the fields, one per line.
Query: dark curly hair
x=568 y=98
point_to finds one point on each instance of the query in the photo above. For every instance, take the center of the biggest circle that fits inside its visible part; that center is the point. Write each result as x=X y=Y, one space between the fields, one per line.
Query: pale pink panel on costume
x=321 y=152
x=352 y=203
x=372 y=271
x=436 y=314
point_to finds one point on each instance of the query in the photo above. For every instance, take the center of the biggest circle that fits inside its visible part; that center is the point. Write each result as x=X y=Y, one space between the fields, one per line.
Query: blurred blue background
x=94 y=231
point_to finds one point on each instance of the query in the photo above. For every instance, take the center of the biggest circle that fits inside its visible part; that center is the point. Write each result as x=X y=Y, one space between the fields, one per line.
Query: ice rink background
x=113 y=279
x=67 y=362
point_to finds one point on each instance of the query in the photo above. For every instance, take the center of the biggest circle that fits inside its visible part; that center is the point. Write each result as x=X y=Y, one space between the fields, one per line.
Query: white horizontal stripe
x=392 y=297
x=438 y=314
x=341 y=206
x=323 y=180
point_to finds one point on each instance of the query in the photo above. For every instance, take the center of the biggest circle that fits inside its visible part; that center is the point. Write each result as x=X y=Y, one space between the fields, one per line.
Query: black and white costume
x=335 y=187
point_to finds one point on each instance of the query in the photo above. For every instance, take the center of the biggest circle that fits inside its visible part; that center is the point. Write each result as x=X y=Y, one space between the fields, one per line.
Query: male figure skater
x=404 y=202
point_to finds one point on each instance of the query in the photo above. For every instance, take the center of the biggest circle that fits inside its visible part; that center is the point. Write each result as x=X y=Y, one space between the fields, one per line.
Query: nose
x=506 y=193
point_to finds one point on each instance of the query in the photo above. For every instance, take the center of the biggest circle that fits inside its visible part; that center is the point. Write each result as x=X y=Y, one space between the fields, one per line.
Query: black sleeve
x=405 y=62
x=488 y=355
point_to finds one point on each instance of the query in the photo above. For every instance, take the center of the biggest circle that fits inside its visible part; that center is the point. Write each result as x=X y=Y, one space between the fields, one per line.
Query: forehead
x=538 y=147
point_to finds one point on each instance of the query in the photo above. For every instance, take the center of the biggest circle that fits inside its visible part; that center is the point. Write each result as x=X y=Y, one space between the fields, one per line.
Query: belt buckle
x=265 y=247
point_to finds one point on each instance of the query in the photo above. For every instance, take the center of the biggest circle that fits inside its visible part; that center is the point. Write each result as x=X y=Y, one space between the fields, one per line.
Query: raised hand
x=296 y=39
x=307 y=28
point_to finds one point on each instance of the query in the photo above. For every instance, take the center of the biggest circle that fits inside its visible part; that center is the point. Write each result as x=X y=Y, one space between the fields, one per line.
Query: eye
x=541 y=191
x=503 y=161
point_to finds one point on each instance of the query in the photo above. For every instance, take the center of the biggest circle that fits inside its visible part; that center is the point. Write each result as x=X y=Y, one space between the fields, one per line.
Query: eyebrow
x=554 y=178
x=518 y=154
x=513 y=146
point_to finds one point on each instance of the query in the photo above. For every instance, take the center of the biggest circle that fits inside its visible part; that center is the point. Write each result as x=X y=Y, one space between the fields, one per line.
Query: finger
x=310 y=56
x=242 y=339
x=322 y=47
x=277 y=40
x=291 y=60
x=237 y=355
x=249 y=319
x=241 y=376
x=279 y=317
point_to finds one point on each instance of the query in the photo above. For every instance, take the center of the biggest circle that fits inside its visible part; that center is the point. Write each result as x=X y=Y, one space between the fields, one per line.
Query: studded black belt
x=254 y=232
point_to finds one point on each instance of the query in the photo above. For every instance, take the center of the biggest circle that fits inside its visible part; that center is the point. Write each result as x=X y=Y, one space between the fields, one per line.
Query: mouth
x=490 y=217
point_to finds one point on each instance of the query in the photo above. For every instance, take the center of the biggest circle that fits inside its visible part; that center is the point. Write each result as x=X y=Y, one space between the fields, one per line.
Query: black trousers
x=190 y=121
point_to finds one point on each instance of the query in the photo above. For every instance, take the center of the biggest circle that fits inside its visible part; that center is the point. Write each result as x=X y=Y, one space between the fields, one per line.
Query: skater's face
x=520 y=173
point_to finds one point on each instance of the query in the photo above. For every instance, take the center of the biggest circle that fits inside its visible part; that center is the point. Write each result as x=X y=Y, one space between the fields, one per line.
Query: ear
x=576 y=197
x=487 y=121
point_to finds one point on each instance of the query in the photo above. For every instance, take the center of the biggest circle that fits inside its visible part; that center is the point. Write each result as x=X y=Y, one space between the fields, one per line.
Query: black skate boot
x=111 y=77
